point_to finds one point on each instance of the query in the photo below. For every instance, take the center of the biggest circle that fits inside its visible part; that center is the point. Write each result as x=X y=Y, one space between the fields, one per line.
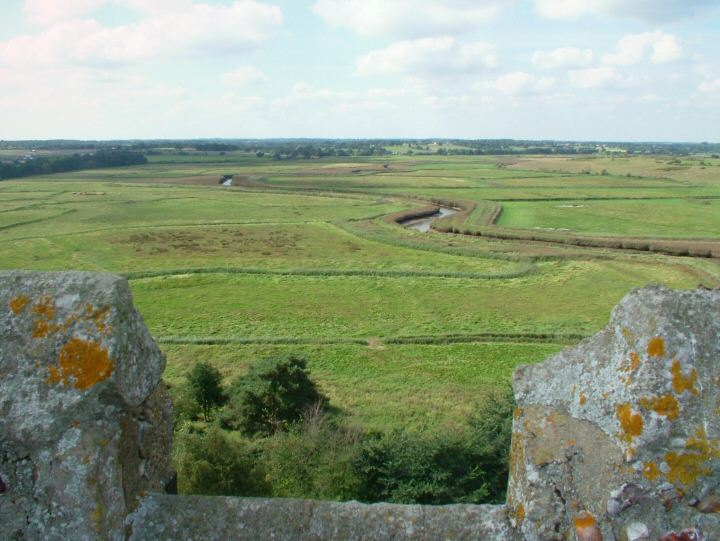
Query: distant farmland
x=402 y=328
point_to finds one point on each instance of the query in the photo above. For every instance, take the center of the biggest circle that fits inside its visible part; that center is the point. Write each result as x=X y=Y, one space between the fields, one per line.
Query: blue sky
x=539 y=69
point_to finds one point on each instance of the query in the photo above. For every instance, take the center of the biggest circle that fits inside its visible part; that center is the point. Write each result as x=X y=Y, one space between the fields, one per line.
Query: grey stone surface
x=198 y=518
x=85 y=426
x=623 y=429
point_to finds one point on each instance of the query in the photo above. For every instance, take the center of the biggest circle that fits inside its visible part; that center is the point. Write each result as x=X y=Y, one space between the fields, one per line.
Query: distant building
x=226 y=180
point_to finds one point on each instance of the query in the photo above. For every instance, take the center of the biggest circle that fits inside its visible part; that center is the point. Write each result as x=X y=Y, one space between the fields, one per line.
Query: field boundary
x=379 y=273
x=420 y=340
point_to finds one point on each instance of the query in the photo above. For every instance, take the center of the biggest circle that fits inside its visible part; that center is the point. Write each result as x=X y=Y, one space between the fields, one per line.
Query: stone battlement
x=614 y=439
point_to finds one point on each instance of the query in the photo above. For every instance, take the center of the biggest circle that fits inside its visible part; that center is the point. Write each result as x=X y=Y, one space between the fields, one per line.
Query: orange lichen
x=45 y=307
x=517 y=412
x=586 y=528
x=630 y=421
x=584 y=520
x=666 y=406
x=81 y=364
x=681 y=382
x=98 y=316
x=42 y=328
x=656 y=347
x=685 y=467
x=583 y=399
x=520 y=513
x=634 y=361
x=651 y=471
x=571 y=442
x=18 y=304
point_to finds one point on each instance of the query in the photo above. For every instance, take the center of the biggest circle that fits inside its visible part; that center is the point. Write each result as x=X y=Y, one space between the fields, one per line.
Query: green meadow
x=401 y=328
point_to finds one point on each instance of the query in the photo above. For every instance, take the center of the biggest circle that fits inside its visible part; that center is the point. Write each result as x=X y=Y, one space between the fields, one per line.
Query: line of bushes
x=32 y=165
x=275 y=435
x=665 y=247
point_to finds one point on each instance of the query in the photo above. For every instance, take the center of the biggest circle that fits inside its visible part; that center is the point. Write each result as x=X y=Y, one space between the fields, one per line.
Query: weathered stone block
x=186 y=518
x=621 y=433
x=85 y=425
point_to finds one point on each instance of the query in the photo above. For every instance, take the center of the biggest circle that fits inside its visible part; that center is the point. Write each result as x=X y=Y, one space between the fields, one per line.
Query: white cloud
x=428 y=57
x=47 y=12
x=564 y=57
x=710 y=87
x=521 y=83
x=647 y=10
x=344 y=101
x=186 y=28
x=408 y=18
x=632 y=48
x=244 y=76
x=603 y=77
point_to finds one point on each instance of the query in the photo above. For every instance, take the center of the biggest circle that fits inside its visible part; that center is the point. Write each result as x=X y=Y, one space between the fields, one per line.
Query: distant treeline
x=41 y=165
x=317 y=148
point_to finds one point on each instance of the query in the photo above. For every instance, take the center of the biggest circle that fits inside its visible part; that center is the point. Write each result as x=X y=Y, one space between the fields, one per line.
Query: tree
x=274 y=394
x=205 y=383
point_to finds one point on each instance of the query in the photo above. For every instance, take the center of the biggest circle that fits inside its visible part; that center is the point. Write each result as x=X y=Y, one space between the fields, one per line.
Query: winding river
x=423 y=224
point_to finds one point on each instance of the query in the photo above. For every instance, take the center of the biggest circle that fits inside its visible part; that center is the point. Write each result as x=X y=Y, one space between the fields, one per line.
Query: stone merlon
x=615 y=439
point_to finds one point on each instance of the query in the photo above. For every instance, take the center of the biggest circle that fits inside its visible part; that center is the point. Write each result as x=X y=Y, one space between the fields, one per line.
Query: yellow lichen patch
x=519 y=513
x=680 y=381
x=630 y=421
x=584 y=520
x=98 y=316
x=651 y=471
x=45 y=307
x=685 y=467
x=656 y=347
x=81 y=364
x=517 y=412
x=583 y=399
x=586 y=528
x=634 y=361
x=666 y=406
x=18 y=304
x=42 y=328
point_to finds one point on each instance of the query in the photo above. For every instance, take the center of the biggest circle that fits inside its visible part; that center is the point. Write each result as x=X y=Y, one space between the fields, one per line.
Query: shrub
x=185 y=407
x=212 y=465
x=469 y=467
x=274 y=394
x=313 y=460
x=205 y=384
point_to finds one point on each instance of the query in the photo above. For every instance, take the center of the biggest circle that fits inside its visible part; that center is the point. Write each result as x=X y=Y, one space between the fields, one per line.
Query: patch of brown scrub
x=666 y=406
x=656 y=347
x=18 y=304
x=681 y=382
x=630 y=421
x=81 y=364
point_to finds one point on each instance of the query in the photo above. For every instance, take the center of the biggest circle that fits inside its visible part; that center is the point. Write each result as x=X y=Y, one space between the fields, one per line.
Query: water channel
x=423 y=224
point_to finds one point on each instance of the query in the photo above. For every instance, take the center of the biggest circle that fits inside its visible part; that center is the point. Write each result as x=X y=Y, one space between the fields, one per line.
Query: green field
x=401 y=328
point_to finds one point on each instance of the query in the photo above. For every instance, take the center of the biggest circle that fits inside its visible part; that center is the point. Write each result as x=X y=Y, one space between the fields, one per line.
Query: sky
x=598 y=70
